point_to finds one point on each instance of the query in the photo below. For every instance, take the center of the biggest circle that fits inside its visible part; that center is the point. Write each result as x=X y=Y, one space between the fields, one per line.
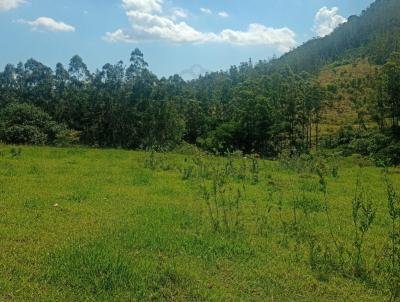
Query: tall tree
x=392 y=86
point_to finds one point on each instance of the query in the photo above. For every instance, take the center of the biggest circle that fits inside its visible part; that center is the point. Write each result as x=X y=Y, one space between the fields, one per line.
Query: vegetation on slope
x=375 y=34
x=352 y=86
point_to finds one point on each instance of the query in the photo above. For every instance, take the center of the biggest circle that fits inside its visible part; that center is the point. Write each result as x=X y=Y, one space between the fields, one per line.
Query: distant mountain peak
x=193 y=72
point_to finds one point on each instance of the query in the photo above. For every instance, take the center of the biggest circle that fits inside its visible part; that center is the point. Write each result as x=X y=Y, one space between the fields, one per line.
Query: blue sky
x=173 y=34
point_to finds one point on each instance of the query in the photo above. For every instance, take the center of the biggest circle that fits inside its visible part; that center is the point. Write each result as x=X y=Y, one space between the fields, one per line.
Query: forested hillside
x=292 y=104
x=375 y=34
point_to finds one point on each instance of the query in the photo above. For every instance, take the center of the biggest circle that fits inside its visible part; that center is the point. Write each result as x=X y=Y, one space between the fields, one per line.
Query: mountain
x=346 y=62
x=374 y=34
x=193 y=72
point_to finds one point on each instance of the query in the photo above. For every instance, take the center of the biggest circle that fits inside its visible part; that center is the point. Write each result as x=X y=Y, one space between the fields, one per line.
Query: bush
x=220 y=140
x=66 y=137
x=382 y=147
x=389 y=156
x=361 y=146
x=342 y=137
x=187 y=149
x=378 y=142
x=27 y=124
x=345 y=135
x=24 y=134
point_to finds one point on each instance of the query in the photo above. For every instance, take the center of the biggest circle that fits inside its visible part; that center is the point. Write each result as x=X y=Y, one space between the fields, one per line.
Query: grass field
x=110 y=225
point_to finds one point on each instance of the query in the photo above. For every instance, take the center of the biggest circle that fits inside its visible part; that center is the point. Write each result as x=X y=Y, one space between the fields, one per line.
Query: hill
x=375 y=34
x=347 y=62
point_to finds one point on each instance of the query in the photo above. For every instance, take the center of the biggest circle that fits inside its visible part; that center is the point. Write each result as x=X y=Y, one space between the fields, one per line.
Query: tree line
x=129 y=107
x=245 y=108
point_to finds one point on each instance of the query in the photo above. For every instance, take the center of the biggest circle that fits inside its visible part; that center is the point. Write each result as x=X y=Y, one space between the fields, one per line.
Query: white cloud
x=257 y=34
x=6 y=5
x=326 y=20
x=47 y=24
x=147 y=26
x=147 y=6
x=118 y=36
x=223 y=14
x=206 y=10
x=153 y=27
x=179 y=13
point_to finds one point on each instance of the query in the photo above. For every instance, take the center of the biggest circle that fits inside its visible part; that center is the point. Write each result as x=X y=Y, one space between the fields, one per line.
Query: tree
x=392 y=86
x=138 y=64
x=78 y=70
x=61 y=75
x=162 y=127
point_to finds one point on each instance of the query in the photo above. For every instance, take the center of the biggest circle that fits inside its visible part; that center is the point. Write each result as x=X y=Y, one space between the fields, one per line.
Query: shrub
x=186 y=149
x=382 y=147
x=361 y=146
x=24 y=134
x=219 y=140
x=66 y=137
x=27 y=124
x=389 y=156
x=345 y=135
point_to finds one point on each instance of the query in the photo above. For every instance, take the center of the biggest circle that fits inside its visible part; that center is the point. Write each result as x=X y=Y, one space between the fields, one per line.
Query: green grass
x=97 y=225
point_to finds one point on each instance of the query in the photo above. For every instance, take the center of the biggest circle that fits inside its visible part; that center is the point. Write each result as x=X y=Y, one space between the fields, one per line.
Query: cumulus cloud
x=326 y=20
x=146 y=26
x=179 y=13
x=206 y=10
x=258 y=34
x=150 y=26
x=47 y=24
x=223 y=14
x=6 y=5
x=148 y=6
x=118 y=36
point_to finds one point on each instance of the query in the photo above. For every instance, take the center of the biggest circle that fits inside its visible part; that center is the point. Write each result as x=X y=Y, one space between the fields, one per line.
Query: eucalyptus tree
x=392 y=86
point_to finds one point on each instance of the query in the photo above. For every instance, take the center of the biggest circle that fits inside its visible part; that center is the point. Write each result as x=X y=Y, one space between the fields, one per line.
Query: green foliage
x=132 y=108
x=219 y=140
x=391 y=85
x=393 y=202
x=382 y=147
x=66 y=137
x=254 y=170
x=363 y=214
x=223 y=201
x=388 y=156
x=24 y=124
x=373 y=34
x=162 y=127
x=24 y=134
x=27 y=124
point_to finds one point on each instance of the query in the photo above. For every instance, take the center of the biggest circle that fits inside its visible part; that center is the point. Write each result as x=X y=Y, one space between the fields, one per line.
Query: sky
x=176 y=36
